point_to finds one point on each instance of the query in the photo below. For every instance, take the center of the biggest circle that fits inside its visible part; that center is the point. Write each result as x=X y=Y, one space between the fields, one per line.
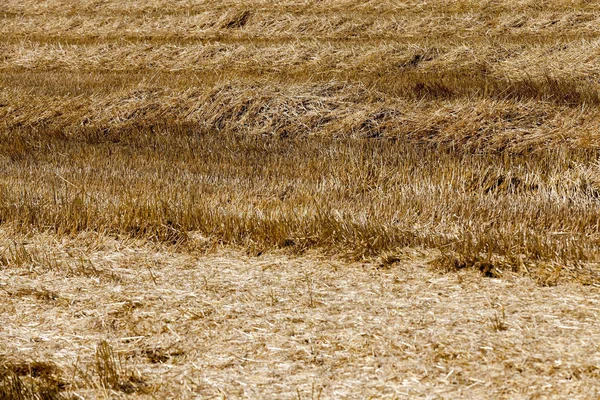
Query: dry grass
x=355 y=197
x=224 y=324
x=204 y=130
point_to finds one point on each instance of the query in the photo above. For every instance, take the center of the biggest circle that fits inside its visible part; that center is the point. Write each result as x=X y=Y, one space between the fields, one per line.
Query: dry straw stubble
x=364 y=130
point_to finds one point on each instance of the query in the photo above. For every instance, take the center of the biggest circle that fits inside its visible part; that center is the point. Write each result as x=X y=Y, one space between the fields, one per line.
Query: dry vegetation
x=187 y=185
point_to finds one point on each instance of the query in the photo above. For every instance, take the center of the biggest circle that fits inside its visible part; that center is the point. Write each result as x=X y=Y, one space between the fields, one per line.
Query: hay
x=226 y=324
x=315 y=199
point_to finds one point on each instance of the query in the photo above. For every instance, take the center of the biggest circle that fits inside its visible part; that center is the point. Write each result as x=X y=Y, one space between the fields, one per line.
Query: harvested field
x=315 y=199
x=231 y=325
